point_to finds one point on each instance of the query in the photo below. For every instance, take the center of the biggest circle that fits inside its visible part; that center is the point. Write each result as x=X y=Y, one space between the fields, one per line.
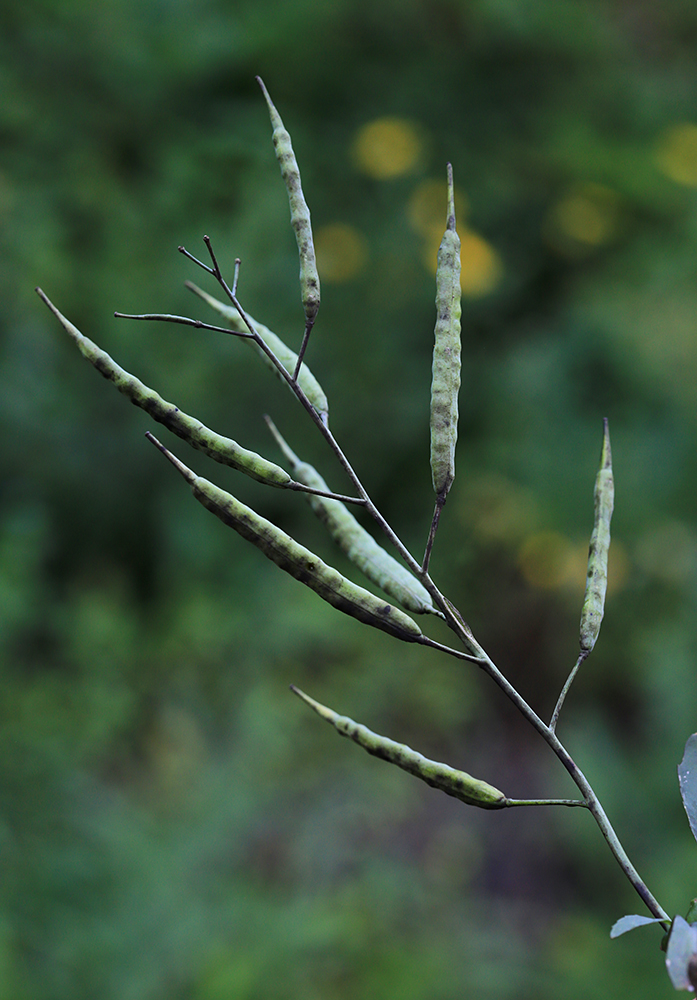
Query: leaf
x=687 y=776
x=681 y=954
x=631 y=921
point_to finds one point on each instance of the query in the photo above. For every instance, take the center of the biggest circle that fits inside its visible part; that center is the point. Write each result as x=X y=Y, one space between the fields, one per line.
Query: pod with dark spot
x=596 y=581
x=295 y=559
x=358 y=544
x=445 y=384
x=222 y=449
x=299 y=212
x=459 y=784
x=288 y=358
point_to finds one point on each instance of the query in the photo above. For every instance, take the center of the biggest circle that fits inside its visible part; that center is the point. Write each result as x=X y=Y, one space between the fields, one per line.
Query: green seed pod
x=289 y=359
x=222 y=449
x=446 y=354
x=295 y=559
x=459 y=784
x=596 y=582
x=352 y=538
x=299 y=212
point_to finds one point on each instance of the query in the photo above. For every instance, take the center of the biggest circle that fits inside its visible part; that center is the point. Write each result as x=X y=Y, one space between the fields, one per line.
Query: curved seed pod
x=295 y=559
x=222 y=449
x=352 y=538
x=289 y=359
x=459 y=784
x=299 y=212
x=446 y=354
x=596 y=582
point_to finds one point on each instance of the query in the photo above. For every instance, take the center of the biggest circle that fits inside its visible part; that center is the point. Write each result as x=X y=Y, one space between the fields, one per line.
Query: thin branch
x=303 y=348
x=546 y=802
x=236 y=275
x=302 y=488
x=440 y=502
x=458 y=653
x=565 y=690
x=169 y=318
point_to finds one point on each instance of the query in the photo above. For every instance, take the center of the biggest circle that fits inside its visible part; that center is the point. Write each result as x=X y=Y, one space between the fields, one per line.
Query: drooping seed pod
x=288 y=358
x=596 y=581
x=222 y=449
x=295 y=559
x=459 y=784
x=299 y=212
x=361 y=548
x=445 y=385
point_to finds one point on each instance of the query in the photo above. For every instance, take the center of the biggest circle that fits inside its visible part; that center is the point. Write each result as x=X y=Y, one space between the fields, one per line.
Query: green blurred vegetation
x=174 y=824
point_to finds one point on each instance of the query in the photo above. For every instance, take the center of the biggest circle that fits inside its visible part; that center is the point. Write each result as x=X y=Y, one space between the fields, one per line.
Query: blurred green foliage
x=174 y=824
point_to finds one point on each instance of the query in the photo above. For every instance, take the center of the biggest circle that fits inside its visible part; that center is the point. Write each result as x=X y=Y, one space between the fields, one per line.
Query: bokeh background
x=174 y=823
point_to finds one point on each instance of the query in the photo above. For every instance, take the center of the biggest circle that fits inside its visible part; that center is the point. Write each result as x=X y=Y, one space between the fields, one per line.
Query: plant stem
x=456 y=623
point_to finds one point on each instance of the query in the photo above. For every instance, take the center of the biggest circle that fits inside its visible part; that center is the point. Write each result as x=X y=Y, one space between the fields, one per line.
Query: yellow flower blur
x=387 y=148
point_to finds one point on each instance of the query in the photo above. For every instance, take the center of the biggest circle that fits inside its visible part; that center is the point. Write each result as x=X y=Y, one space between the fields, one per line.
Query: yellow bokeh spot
x=550 y=561
x=544 y=560
x=480 y=266
x=426 y=208
x=676 y=153
x=587 y=216
x=495 y=510
x=342 y=252
x=387 y=147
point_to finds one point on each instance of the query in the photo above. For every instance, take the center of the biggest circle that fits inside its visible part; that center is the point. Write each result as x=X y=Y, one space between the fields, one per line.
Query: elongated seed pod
x=299 y=212
x=596 y=581
x=222 y=449
x=352 y=538
x=306 y=380
x=446 y=354
x=459 y=784
x=295 y=559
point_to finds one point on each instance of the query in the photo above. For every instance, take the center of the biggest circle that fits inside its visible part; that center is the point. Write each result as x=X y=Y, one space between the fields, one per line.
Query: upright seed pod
x=299 y=212
x=459 y=784
x=222 y=449
x=596 y=581
x=446 y=355
x=358 y=544
x=295 y=559
x=288 y=358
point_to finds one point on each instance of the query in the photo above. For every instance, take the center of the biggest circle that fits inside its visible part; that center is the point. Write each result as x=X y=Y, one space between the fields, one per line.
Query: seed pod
x=299 y=212
x=446 y=355
x=459 y=784
x=596 y=581
x=289 y=359
x=222 y=449
x=296 y=559
x=352 y=538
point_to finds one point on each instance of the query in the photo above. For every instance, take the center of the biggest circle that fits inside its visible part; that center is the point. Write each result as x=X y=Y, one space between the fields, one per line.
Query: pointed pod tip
x=179 y=466
x=606 y=453
x=451 y=197
x=267 y=98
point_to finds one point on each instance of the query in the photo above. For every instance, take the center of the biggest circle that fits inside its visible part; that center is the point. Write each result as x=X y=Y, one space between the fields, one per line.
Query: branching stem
x=454 y=620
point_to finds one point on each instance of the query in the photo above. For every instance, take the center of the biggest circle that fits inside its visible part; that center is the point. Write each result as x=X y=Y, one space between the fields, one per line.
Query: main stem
x=592 y=801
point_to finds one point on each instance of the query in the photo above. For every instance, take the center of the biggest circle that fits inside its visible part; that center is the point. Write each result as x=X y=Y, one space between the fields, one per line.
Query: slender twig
x=458 y=653
x=565 y=690
x=303 y=348
x=546 y=802
x=236 y=275
x=168 y=318
x=440 y=502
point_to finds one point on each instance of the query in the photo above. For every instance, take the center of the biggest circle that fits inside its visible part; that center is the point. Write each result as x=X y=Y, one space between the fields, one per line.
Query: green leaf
x=687 y=776
x=629 y=922
x=681 y=955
